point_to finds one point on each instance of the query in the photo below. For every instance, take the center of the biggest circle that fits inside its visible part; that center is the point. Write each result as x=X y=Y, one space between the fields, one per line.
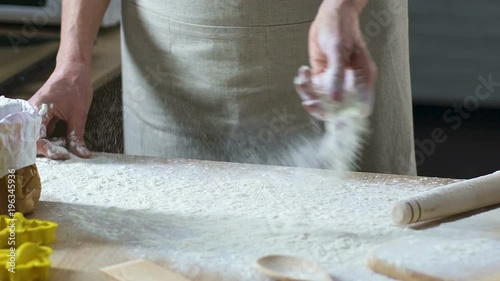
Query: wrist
x=67 y=60
x=73 y=62
x=72 y=68
x=74 y=53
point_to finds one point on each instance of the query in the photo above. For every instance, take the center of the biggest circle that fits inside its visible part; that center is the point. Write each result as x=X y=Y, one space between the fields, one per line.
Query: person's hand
x=336 y=46
x=68 y=94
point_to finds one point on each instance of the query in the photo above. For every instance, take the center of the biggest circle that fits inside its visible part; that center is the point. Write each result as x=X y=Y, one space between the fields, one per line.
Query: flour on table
x=213 y=223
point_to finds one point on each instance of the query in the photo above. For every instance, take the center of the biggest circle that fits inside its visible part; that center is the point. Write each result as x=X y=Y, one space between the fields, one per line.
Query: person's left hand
x=336 y=45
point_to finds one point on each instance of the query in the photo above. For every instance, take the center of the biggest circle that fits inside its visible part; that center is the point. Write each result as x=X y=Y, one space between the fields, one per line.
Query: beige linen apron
x=213 y=80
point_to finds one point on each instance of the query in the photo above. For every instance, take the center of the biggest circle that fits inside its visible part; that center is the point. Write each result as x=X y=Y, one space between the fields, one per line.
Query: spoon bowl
x=281 y=267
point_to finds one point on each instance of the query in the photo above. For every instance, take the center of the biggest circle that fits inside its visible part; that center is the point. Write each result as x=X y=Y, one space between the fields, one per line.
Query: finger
x=317 y=58
x=49 y=150
x=357 y=72
x=303 y=84
x=337 y=64
x=305 y=73
x=58 y=141
x=43 y=131
x=315 y=108
x=75 y=139
x=363 y=62
x=366 y=95
x=360 y=84
x=319 y=64
x=45 y=123
x=359 y=79
x=366 y=76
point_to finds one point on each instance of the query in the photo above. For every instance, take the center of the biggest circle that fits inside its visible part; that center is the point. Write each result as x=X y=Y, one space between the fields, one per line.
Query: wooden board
x=466 y=249
x=114 y=233
x=141 y=270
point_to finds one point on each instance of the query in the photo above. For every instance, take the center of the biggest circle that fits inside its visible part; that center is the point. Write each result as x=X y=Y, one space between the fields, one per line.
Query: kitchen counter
x=212 y=220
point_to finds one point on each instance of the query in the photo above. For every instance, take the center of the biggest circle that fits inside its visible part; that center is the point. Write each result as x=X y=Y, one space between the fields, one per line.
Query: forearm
x=80 y=24
x=358 y=5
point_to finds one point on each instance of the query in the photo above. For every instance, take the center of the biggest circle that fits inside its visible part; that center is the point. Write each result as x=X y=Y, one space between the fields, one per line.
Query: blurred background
x=452 y=45
x=454 y=59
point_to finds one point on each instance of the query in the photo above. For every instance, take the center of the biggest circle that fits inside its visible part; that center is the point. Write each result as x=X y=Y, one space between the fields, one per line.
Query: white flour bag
x=20 y=184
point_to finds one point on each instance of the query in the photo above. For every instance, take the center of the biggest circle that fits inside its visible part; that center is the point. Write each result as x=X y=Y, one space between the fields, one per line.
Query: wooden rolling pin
x=449 y=200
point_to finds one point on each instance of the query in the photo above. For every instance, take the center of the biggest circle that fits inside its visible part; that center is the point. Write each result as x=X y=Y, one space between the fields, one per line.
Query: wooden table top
x=112 y=207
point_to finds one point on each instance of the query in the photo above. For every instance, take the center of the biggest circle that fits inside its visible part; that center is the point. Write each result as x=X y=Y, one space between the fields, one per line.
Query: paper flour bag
x=20 y=184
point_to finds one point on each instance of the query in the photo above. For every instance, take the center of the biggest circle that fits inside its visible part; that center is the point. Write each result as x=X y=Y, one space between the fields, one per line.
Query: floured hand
x=69 y=95
x=346 y=122
x=336 y=47
x=338 y=88
x=54 y=148
x=315 y=98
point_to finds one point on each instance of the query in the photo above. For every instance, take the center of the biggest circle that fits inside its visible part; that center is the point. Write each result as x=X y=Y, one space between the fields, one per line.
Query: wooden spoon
x=290 y=268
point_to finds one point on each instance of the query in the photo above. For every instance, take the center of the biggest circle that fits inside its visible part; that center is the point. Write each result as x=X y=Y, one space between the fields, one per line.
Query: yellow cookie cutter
x=25 y=230
x=29 y=262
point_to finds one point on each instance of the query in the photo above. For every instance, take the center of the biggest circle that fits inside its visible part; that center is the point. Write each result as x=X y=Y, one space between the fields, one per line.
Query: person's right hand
x=68 y=95
x=339 y=57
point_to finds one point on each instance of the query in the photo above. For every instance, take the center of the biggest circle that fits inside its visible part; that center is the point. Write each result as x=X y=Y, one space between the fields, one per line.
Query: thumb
x=75 y=138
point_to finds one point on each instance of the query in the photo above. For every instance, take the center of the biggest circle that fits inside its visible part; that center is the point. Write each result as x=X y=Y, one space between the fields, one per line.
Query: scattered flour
x=346 y=125
x=43 y=110
x=344 y=137
x=215 y=219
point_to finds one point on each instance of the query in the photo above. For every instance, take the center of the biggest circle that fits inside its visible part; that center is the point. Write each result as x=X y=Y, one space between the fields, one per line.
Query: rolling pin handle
x=406 y=212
